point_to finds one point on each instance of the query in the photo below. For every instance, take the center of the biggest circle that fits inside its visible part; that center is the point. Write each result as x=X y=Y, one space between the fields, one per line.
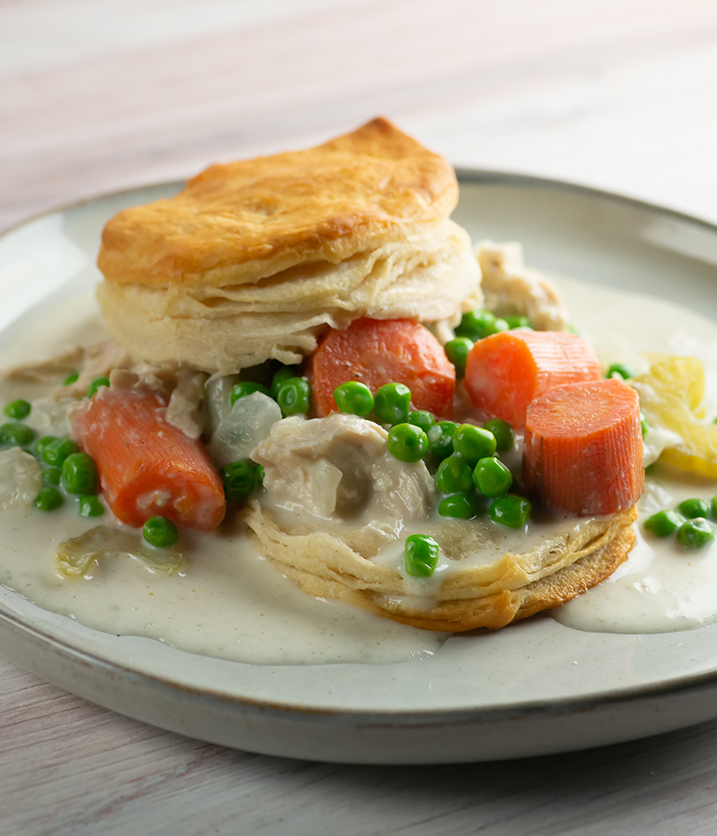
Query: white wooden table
x=96 y=96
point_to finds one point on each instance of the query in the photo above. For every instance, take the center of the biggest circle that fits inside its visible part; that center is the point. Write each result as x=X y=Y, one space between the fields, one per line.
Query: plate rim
x=467 y=174
x=684 y=685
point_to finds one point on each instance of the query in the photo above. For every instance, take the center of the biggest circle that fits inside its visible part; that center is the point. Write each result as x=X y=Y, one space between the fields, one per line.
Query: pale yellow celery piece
x=74 y=557
x=671 y=395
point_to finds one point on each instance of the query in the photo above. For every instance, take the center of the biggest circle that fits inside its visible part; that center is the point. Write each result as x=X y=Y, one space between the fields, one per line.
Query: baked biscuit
x=329 y=565
x=255 y=259
x=336 y=511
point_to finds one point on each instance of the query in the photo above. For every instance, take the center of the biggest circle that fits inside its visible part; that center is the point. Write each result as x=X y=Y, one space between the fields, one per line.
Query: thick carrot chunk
x=147 y=466
x=378 y=351
x=583 y=448
x=506 y=371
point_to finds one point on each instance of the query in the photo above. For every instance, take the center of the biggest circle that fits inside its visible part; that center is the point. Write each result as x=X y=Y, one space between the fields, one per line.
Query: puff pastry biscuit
x=517 y=585
x=335 y=516
x=254 y=259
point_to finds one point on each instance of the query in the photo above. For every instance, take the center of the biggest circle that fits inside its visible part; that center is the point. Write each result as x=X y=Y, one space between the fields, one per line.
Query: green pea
x=56 y=451
x=16 y=435
x=476 y=324
x=511 y=510
x=518 y=322
x=96 y=385
x=492 y=477
x=71 y=378
x=714 y=506
x=259 y=471
x=473 y=443
x=503 y=432
x=420 y=555
x=48 y=499
x=79 y=474
x=239 y=479
x=462 y=506
x=619 y=370
x=354 y=398
x=41 y=443
x=454 y=475
x=160 y=532
x=663 y=523
x=280 y=377
x=421 y=418
x=51 y=476
x=91 y=506
x=440 y=439
x=457 y=352
x=392 y=403
x=244 y=388
x=294 y=396
x=693 y=534
x=17 y=410
x=692 y=508
x=407 y=443
x=644 y=426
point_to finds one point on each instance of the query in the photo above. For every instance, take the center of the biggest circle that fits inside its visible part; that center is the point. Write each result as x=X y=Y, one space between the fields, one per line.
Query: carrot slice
x=506 y=371
x=378 y=351
x=583 y=448
x=147 y=466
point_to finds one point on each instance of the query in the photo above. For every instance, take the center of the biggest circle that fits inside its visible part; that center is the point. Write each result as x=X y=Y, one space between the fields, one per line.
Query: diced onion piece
x=249 y=422
x=216 y=403
x=20 y=478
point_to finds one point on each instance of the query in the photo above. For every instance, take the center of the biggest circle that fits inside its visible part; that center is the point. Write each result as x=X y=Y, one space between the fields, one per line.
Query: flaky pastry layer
x=429 y=276
x=246 y=220
x=492 y=595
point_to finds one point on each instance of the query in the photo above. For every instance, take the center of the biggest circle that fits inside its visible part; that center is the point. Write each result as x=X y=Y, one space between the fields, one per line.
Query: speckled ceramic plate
x=534 y=688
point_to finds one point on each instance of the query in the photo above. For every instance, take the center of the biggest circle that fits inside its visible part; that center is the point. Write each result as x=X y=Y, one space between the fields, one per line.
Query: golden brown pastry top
x=243 y=221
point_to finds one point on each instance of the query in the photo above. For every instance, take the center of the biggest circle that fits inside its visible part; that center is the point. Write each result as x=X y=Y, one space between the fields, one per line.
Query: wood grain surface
x=97 y=96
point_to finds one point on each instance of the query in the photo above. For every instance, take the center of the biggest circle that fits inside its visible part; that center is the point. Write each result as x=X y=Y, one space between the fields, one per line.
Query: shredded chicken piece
x=512 y=289
x=183 y=387
x=339 y=468
x=98 y=361
x=185 y=403
x=92 y=361
x=48 y=368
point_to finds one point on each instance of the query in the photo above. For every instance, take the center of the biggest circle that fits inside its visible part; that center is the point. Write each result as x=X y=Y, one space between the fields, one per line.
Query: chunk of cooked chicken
x=338 y=467
x=49 y=368
x=183 y=387
x=512 y=289
x=99 y=360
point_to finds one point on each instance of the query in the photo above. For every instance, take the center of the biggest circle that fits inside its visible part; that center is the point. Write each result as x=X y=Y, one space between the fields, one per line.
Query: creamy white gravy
x=229 y=602
x=662 y=586
x=226 y=601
